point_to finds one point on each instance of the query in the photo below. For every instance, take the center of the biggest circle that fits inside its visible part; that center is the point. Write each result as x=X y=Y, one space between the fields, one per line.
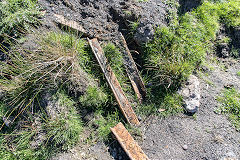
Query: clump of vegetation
x=26 y=77
x=60 y=63
x=26 y=74
x=115 y=59
x=63 y=130
x=17 y=146
x=133 y=25
x=94 y=98
x=230 y=105
x=169 y=103
x=180 y=48
x=16 y=16
x=105 y=123
x=46 y=137
x=238 y=73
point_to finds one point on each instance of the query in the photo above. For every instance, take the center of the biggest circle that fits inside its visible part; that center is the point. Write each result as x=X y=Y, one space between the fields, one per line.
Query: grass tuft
x=238 y=73
x=230 y=105
x=93 y=98
x=180 y=48
x=42 y=139
x=105 y=123
x=63 y=129
x=17 y=16
x=115 y=59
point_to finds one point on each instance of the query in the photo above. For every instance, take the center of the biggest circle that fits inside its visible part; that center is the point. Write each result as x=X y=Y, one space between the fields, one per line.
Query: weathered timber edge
x=113 y=82
x=133 y=72
x=127 y=142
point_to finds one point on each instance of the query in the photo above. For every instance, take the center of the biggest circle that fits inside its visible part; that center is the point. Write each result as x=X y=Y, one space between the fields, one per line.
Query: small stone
x=139 y=118
x=161 y=110
x=185 y=147
x=228 y=86
x=83 y=154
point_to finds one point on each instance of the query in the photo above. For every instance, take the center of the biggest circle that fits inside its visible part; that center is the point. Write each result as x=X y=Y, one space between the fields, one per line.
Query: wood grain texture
x=127 y=142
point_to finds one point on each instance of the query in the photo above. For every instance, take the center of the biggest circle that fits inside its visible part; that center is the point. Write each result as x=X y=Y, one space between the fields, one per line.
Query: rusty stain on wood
x=113 y=82
x=129 y=145
x=133 y=72
x=69 y=23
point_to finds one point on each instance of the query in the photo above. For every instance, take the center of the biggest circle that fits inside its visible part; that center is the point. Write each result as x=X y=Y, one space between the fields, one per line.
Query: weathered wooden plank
x=69 y=23
x=113 y=82
x=133 y=72
x=127 y=142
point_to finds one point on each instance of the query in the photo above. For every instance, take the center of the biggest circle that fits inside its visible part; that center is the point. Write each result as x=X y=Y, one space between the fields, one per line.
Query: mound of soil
x=106 y=18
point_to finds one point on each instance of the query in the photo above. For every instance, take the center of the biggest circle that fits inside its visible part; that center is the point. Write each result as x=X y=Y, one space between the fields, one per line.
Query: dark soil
x=106 y=18
x=232 y=48
x=186 y=5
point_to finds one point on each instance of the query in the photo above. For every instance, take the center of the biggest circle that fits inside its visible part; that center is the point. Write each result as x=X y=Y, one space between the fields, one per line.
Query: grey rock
x=229 y=156
x=224 y=50
x=185 y=147
x=191 y=94
x=151 y=15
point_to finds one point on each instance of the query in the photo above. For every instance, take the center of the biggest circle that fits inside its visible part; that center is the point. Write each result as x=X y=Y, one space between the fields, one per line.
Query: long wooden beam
x=133 y=72
x=127 y=142
x=113 y=82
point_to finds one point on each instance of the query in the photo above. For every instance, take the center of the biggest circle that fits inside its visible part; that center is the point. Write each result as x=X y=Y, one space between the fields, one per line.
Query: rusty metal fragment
x=133 y=72
x=69 y=23
x=130 y=146
x=113 y=82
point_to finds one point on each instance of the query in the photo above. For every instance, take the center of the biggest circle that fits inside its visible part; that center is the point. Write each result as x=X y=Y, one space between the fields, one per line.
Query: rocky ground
x=206 y=135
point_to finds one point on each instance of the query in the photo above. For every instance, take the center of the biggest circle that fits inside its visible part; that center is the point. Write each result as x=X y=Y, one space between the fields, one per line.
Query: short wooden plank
x=113 y=82
x=133 y=72
x=69 y=23
x=127 y=142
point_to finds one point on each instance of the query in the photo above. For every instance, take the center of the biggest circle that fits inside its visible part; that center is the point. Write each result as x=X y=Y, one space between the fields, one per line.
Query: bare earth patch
x=207 y=136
